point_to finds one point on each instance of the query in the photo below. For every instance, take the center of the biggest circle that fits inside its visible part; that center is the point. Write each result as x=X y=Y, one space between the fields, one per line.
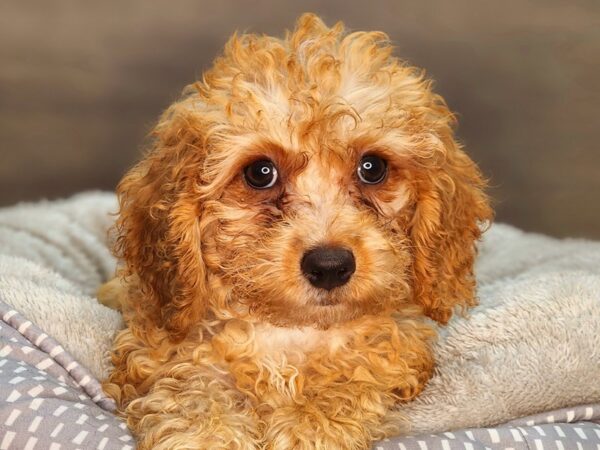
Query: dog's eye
x=372 y=169
x=261 y=174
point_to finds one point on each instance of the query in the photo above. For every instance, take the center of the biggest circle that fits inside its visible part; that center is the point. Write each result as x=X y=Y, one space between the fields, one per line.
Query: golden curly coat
x=228 y=345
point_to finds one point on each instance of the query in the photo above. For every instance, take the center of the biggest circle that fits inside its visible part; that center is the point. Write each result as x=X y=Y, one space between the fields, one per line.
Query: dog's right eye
x=261 y=174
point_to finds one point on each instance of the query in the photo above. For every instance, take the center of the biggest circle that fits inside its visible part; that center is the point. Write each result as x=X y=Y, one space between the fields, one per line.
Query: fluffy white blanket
x=533 y=344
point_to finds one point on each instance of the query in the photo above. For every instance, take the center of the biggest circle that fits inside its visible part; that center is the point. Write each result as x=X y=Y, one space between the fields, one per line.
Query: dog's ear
x=158 y=234
x=451 y=210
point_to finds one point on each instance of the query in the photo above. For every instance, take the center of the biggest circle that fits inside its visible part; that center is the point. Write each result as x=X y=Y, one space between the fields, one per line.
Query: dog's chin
x=318 y=316
x=317 y=308
x=320 y=312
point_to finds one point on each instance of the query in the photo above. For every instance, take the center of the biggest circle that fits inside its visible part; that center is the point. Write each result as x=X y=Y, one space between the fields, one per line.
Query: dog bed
x=523 y=371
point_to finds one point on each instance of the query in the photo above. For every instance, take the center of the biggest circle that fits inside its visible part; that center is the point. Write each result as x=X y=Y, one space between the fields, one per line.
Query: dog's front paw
x=302 y=428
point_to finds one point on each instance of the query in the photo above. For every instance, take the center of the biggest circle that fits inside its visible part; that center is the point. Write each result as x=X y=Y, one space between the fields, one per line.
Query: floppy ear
x=158 y=234
x=451 y=210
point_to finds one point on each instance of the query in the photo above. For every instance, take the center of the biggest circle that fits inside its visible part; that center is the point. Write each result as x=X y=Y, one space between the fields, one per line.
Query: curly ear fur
x=451 y=212
x=157 y=231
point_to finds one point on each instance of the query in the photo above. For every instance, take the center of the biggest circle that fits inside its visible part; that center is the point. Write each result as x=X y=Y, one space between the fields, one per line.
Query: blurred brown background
x=82 y=82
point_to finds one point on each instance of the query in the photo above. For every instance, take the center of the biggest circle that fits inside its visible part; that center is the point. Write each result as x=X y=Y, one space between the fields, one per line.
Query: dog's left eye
x=372 y=169
x=261 y=174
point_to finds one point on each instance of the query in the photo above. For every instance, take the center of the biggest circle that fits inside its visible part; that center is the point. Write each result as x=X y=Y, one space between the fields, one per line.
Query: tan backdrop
x=81 y=83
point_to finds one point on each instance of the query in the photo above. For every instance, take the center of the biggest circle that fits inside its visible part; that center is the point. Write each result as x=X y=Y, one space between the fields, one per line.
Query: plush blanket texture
x=53 y=258
x=532 y=345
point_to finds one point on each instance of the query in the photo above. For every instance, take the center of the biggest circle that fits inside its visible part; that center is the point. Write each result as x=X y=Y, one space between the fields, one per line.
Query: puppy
x=302 y=211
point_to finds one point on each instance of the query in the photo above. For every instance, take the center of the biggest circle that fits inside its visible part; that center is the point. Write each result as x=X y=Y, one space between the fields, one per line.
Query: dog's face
x=308 y=234
x=304 y=181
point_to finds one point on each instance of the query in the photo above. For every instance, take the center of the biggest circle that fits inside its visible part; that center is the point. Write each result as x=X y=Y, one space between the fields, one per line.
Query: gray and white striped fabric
x=564 y=429
x=47 y=399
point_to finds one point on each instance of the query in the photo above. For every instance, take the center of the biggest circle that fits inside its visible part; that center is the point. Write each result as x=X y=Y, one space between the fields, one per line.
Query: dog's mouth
x=332 y=298
x=327 y=303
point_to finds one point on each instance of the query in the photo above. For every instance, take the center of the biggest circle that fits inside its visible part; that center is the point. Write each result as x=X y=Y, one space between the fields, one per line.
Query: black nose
x=328 y=267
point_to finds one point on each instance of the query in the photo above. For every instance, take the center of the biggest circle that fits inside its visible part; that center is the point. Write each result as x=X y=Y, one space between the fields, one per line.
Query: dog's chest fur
x=277 y=366
x=260 y=343
x=277 y=341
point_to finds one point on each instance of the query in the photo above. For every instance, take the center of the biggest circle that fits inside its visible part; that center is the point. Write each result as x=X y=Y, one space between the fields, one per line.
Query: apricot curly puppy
x=303 y=209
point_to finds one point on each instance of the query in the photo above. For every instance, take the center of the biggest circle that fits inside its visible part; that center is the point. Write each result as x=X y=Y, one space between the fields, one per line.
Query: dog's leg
x=347 y=418
x=190 y=408
x=173 y=402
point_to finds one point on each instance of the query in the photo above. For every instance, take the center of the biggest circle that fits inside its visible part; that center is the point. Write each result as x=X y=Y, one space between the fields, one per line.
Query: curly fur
x=227 y=345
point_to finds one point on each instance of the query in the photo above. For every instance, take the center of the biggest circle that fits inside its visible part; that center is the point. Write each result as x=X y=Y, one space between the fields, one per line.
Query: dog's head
x=304 y=181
